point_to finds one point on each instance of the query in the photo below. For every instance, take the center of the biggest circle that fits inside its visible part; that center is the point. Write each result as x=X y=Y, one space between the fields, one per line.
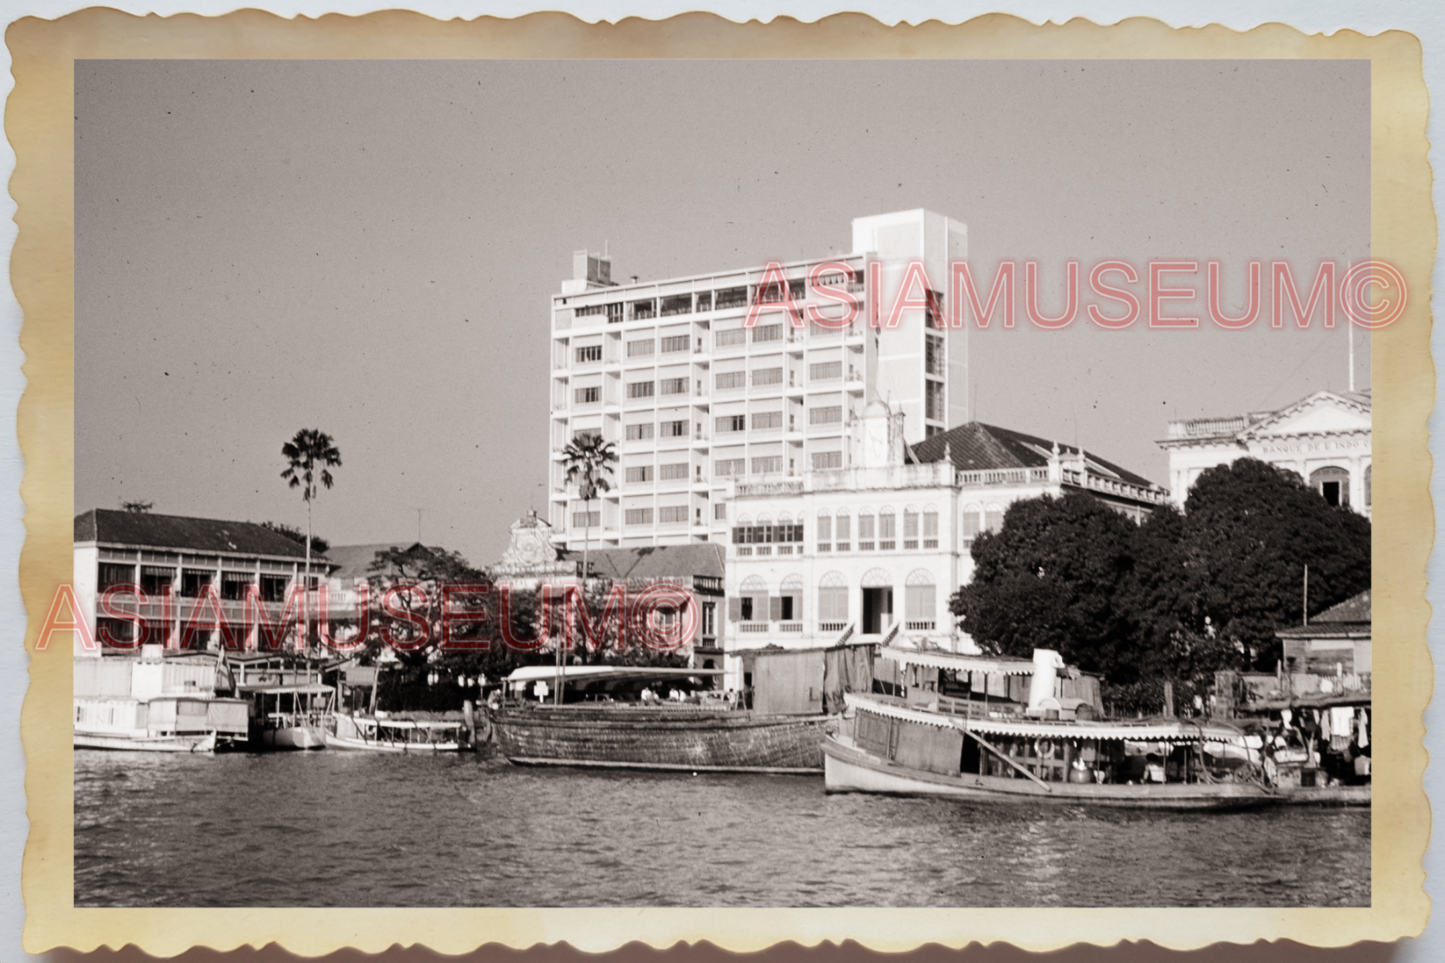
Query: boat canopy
x=271 y=688
x=1003 y=665
x=587 y=673
x=1029 y=729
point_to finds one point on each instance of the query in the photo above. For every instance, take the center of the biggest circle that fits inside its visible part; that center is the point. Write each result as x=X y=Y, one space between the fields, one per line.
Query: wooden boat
x=158 y=724
x=288 y=715
x=1327 y=795
x=907 y=750
x=696 y=737
x=373 y=734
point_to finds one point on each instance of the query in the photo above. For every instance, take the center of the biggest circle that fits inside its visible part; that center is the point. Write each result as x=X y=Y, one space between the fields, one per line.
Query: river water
x=358 y=829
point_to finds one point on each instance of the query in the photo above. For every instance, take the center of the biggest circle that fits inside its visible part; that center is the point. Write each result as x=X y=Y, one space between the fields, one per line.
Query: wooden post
x=1004 y=756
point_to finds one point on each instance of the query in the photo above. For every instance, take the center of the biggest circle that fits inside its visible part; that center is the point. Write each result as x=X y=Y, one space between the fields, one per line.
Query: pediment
x=1323 y=413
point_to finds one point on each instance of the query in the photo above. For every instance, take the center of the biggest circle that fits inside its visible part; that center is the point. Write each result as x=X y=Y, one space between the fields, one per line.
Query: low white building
x=1325 y=439
x=874 y=552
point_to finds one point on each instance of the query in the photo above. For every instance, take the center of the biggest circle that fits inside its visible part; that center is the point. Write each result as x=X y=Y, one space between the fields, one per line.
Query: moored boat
x=665 y=734
x=288 y=715
x=153 y=702
x=378 y=734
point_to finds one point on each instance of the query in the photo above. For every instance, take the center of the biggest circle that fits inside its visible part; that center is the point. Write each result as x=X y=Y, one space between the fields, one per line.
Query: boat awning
x=961 y=663
x=1029 y=729
x=588 y=673
x=271 y=688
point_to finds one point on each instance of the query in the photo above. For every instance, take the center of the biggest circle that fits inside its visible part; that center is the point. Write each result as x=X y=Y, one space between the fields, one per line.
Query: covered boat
x=154 y=702
x=615 y=719
x=924 y=742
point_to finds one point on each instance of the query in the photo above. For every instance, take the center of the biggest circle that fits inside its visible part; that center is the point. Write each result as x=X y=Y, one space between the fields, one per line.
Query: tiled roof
x=354 y=561
x=1351 y=618
x=178 y=532
x=1356 y=609
x=979 y=447
x=659 y=561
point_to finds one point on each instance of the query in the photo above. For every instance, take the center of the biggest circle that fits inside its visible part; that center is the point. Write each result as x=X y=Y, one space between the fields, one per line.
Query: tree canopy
x=1179 y=596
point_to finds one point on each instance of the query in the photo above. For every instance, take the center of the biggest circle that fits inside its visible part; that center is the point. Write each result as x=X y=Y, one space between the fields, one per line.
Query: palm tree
x=589 y=460
x=306 y=452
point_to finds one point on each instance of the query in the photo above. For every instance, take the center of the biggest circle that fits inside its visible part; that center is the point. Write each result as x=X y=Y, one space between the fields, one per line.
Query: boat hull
x=850 y=769
x=292 y=737
x=1328 y=796
x=667 y=739
x=347 y=735
x=190 y=742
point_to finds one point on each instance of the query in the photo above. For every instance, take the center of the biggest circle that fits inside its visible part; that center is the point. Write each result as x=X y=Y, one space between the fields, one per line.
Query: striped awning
x=961 y=663
x=1031 y=729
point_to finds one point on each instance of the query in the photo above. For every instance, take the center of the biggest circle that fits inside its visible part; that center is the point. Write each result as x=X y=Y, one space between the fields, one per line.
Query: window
x=193 y=582
x=767 y=332
x=841 y=525
x=729 y=468
x=674 y=344
x=644 y=309
x=732 y=423
x=273 y=588
x=640 y=349
x=887 y=530
x=865 y=531
x=768 y=376
x=910 y=528
x=639 y=432
x=920 y=602
x=674 y=386
x=704 y=301
x=1333 y=484
x=588 y=396
x=640 y=389
x=674 y=429
x=933 y=356
x=673 y=472
x=827 y=460
x=720 y=511
x=639 y=473
x=993 y=518
x=613 y=311
x=930 y=527
x=767 y=534
x=832 y=603
x=935 y=401
x=767 y=464
x=825 y=532
x=730 y=336
x=727 y=380
x=826 y=416
x=586 y=519
x=825 y=371
x=592 y=352
x=109 y=574
x=672 y=514
x=1367 y=485
x=732 y=298
x=639 y=516
x=971 y=526
x=677 y=304
x=767 y=419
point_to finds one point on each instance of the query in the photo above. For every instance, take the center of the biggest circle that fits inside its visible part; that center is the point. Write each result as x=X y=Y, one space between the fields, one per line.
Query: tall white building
x=694 y=399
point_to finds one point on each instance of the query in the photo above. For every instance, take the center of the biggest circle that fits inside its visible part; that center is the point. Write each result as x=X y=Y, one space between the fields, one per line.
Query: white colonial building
x=873 y=552
x=1324 y=438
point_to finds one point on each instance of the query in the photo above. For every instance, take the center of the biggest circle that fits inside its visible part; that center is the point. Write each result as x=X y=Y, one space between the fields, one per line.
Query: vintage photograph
x=719 y=483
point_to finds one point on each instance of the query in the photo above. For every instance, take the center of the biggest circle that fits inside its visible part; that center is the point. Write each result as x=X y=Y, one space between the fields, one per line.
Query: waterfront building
x=1324 y=438
x=533 y=558
x=694 y=399
x=178 y=561
x=1336 y=644
x=873 y=552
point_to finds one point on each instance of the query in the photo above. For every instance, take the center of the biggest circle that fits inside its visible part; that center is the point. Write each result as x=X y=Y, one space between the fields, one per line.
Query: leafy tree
x=1250 y=530
x=430 y=570
x=318 y=544
x=1048 y=579
x=307 y=452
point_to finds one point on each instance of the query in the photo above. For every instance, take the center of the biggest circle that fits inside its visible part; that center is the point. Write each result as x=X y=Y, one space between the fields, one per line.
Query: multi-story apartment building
x=695 y=399
x=873 y=552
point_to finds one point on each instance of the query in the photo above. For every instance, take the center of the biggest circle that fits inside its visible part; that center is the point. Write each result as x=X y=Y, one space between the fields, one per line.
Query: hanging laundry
x=1285 y=716
x=1341 y=718
x=1325 y=729
x=1363 y=721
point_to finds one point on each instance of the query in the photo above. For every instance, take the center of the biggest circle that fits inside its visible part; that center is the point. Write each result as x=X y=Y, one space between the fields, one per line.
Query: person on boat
x=648 y=696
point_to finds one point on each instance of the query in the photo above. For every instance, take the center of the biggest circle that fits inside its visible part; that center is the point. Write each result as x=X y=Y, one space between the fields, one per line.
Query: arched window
x=993 y=518
x=920 y=601
x=751 y=605
x=887 y=530
x=842 y=532
x=832 y=603
x=910 y=527
x=1367 y=485
x=930 y=526
x=877 y=578
x=791 y=600
x=866 y=530
x=825 y=532
x=1333 y=484
x=972 y=522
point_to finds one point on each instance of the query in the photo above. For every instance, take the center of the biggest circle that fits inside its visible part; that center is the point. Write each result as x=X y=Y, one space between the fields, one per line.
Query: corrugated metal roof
x=178 y=532
x=655 y=561
x=979 y=447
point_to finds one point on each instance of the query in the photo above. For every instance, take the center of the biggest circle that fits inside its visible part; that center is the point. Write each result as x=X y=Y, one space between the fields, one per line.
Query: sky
x=368 y=248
